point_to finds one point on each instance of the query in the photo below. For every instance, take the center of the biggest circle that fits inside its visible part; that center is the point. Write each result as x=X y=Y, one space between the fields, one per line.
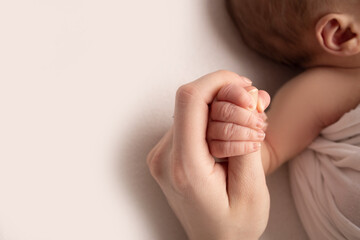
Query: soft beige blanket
x=325 y=181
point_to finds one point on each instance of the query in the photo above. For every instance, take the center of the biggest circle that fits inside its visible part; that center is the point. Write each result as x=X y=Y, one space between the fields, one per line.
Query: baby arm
x=302 y=108
x=299 y=111
x=293 y=123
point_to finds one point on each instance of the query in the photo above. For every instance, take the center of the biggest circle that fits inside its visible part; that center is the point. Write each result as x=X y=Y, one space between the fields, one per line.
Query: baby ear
x=338 y=34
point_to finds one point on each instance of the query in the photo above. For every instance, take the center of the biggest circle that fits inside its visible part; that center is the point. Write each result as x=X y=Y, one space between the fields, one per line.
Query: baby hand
x=237 y=121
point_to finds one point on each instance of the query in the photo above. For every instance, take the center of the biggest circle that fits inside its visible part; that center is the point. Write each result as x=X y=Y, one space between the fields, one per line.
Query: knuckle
x=229 y=130
x=249 y=119
x=225 y=91
x=248 y=133
x=154 y=164
x=185 y=93
x=246 y=99
x=223 y=72
x=226 y=111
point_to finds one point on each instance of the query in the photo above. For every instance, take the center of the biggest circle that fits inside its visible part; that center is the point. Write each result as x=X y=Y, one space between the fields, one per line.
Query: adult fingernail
x=260 y=106
x=247 y=80
x=253 y=90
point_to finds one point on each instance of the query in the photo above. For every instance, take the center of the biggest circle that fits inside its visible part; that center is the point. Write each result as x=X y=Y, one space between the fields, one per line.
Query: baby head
x=301 y=32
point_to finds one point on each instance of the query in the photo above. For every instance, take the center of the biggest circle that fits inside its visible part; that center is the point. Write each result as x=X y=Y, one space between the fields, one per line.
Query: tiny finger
x=228 y=112
x=238 y=95
x=223 y=149
x=233 y=132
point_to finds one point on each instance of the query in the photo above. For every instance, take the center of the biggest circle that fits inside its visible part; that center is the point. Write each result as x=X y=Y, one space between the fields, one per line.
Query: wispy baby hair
x=278 y=28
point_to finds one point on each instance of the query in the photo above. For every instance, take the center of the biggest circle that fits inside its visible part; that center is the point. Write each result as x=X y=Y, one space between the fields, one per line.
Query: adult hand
x=212 y=200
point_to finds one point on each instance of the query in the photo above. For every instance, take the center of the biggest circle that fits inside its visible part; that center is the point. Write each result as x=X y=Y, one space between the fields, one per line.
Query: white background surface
x=86 y=90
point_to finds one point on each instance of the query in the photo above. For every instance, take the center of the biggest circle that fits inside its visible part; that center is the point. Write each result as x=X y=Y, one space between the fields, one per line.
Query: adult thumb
x=263 y=101
x=247 y=182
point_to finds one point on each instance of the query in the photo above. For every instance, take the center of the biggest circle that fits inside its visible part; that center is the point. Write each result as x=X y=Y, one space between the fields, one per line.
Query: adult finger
x=191 y=118
x=246 y=182
x=263 y=101
x=239 y=95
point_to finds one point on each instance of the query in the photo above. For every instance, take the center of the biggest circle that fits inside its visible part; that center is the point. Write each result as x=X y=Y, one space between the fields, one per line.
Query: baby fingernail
x=261 y=135
x=252 y=106
x=260 y=123
x=257 y=146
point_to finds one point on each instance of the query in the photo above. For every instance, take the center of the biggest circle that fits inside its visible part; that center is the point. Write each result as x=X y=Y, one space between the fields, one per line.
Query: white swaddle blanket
x=325 y=181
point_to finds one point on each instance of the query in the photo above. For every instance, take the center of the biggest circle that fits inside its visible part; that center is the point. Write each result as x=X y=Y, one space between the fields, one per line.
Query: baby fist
x=236 y=125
